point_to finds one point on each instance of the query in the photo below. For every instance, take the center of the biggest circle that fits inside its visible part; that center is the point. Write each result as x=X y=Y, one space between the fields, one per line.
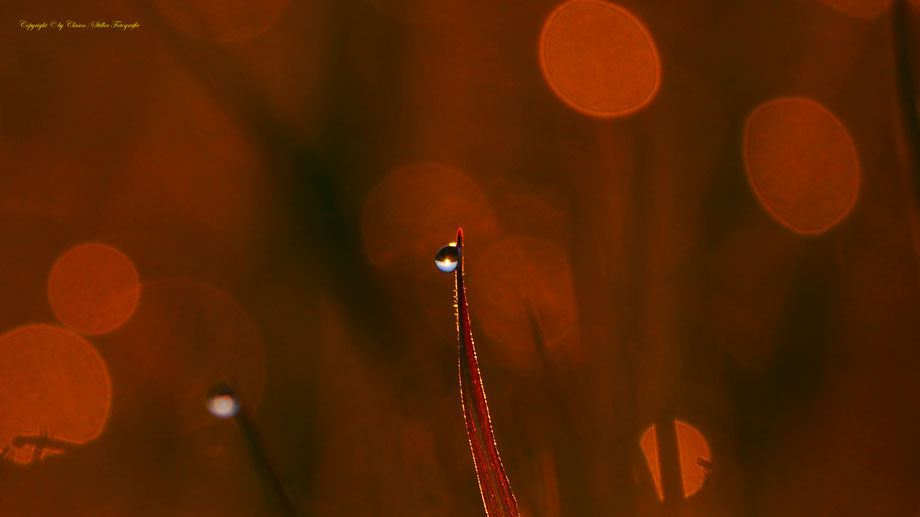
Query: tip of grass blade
x=494 y=487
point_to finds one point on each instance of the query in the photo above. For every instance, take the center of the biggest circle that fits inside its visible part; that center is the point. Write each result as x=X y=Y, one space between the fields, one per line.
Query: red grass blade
x=497 y=497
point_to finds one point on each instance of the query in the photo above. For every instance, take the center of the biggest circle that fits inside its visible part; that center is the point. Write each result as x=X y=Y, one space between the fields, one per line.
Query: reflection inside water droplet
x=448 y=257
x=222 y=403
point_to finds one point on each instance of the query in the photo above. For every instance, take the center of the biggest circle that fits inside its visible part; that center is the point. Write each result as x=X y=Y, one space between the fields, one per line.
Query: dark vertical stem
x=271 y=483
x=900 y=23
x=647 y=263
x=669 y=464
x=907 y=98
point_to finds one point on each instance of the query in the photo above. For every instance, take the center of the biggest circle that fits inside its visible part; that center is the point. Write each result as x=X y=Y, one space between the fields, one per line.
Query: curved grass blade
x=497 y=497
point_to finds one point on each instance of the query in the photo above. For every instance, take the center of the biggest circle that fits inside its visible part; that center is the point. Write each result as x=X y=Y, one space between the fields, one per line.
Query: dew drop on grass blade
x=497 y=497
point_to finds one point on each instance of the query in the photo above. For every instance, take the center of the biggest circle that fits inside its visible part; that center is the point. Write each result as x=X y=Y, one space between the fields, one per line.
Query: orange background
x=695 y=210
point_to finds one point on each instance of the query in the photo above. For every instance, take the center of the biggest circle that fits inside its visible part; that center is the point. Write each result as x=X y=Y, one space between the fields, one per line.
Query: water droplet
x=448 y=257
x=222 y=403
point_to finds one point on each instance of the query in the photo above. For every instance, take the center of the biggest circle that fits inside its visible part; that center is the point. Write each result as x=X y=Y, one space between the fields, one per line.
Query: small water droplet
x=222 y=403
x=447 y=258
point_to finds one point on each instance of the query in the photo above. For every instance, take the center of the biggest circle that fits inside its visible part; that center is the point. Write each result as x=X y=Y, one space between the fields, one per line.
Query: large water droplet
x=447 y=258
x=222 y=403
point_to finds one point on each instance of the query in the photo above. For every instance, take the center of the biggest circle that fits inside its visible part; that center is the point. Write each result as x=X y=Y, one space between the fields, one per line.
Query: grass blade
x=497 y=497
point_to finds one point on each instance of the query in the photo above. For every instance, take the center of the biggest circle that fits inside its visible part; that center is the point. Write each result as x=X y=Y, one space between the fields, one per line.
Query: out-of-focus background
x=692 y=251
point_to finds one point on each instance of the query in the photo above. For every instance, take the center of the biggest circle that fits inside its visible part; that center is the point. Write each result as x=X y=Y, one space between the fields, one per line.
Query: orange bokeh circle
x=750 y=275
x=693 y=454
x=599 y=58
x=93 y=288
x=523 y=294
x=54 y=390
x=801 y=163
x=415 y=210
